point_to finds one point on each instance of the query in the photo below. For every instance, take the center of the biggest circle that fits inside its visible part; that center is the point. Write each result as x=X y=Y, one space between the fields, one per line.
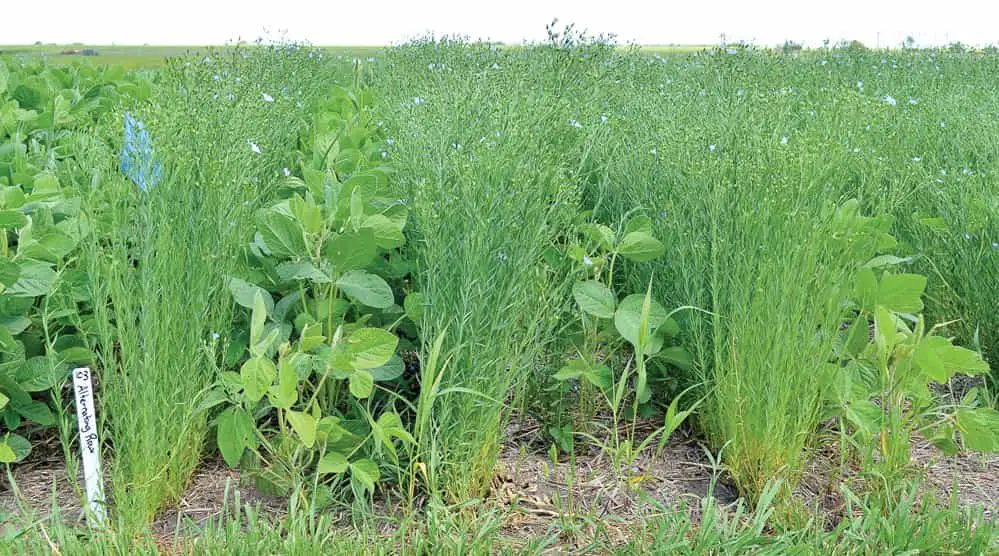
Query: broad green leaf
x=257 y=375
x=17 y=448
x=36 y=278
x=308 y=215
x=389 y=371
x=387 y=233
x=886 y=260
x=77 y=355
x=391 y=424
x=356 y=206
x=284 y=306
x=640 y=223
x=41 y=373
x=361 y=384
x=858 y=336
x=865 y=289
x=7 y=342
x=885 y=329
x=654 y=344
x=864 y=415
x=45 y=184
x=902 y=293
x=640 y=247
x=414 y=304
x=370 y=348
x=258 y=317
x=244 y=293
x=333 y=463
x=365 y=472
x=312 y=337
x=572 y=370
x=304 y=426
x=677 y=356
x=941 y=360
x=368 y=289
x=233 y=434
x=351 y=250
x=628 y=318
x=7 y=454
x=3 y=400
x=595 y=299
x=599 y=234
x=285 y=393
x=50 y=247
x=600 y=376
x=12 y=219
x=36 y=412
x=282 y=235
x=9 y=272
x=302 y=271
x=980 y=428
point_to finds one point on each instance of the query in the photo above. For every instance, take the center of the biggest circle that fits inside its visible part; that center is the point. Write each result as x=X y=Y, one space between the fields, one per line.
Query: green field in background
x=152 y=56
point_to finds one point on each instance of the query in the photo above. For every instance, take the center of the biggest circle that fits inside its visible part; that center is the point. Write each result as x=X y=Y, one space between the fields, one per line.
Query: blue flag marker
x=137 y=156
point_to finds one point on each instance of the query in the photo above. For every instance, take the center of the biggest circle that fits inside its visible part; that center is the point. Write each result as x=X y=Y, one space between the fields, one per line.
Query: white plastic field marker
x=90 y=444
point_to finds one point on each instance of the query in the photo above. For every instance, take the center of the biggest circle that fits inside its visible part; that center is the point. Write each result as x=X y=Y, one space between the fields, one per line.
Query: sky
x=384 y=22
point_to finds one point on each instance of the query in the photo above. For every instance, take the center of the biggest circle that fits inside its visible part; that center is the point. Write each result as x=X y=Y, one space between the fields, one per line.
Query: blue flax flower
x=137 y=156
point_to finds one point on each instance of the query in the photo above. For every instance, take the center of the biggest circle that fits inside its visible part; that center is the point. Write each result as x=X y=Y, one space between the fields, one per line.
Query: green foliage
x=304 y=409
x=882 y=389
x=47 y=116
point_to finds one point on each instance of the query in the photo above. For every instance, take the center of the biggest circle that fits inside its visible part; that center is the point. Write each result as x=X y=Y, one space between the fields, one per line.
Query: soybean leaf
x=628 y=318
x=677 y=356
x=351 y=250
x=599 y=376
x=285 y=393
x=333 y=462
x=391 y=370
x=14 y=448
x=370 y=348
x=414 y=305
x=285 y=304
x=941 y=360
x=304 y=426
x=361 y=384
x=9 y=272
x=865 y=289
x=282 y=235
x=12 y=219
x=640 y=223
x=886 y=260
x=594 y=298
x=902 y=293
x=301 y=271
x=3 y=400
x=864 y=415
x=368 y=289
x=41 y=373
x=233 y=435
x=37 y=412
x=258 y=317
x=365 y=473
x=36 y=278
x=640 y=247
x=244 y=294
x=572 y=370
x=980 y=428
x=387 y=233
x=391 y=425
x=257 y=375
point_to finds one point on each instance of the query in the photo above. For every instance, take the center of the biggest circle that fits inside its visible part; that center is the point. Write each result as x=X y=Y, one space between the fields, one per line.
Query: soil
x=537 y=492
